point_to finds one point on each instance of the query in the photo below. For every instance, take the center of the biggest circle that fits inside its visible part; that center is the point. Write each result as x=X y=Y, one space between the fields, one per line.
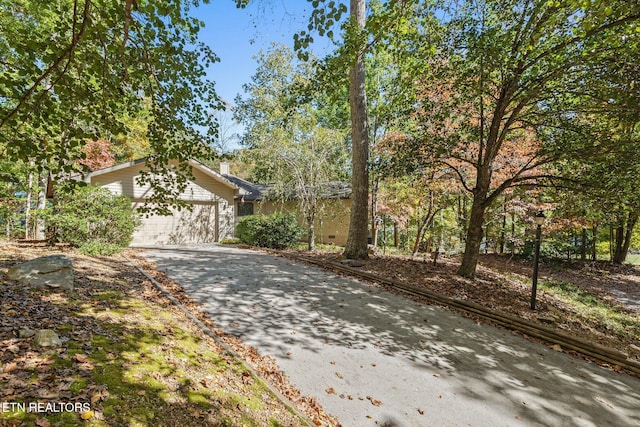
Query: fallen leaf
x=80 y=358
x=87 y=415
x=42 y=422
x=373 y=401
x=420 y=411
x=330 y=390
x=10 y=367
x=339 y=375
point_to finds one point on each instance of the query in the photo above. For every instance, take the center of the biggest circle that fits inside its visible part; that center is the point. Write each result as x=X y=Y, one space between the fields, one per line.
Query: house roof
x=256 y=192
x=193 y=163
x=252 y=191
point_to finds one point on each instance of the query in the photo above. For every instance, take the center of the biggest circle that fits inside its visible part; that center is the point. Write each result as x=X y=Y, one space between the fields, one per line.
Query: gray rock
x=26 y=333
x=47 y=338
x=550 y=318
x=54 y=271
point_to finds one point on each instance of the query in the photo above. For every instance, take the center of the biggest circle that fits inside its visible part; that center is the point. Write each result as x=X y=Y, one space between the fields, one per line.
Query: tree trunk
x=395 y=234
x=475 y=233
x=503 y=232
x=623 y=238
x=42 y=204
x=421 y=227
x=594 y=253
x=27 y=208
x=583 y=245
x=356 y=247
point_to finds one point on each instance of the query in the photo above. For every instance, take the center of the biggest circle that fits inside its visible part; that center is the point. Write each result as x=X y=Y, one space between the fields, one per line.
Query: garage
x=209 y=195
x=198 y=225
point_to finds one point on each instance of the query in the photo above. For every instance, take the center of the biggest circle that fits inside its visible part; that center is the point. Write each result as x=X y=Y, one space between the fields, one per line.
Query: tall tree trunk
x=513 y=233
x=503 y=231
x=421 y=227
x=475 y=233
x=583 y=245
x=623 y=238
x=594 y=246
x=312 y=235
x=356 y=247
x=374 y=211
x=395 y=234
x=611 y=240
x=27 y=208
x=42 y=204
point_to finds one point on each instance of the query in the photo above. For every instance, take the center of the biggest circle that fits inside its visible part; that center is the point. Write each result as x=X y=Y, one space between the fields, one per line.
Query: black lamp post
x=539 y=220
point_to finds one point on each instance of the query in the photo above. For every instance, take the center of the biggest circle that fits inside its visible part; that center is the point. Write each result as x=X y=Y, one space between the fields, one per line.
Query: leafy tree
x=516 y=74
x=289 y=149
x=74 y=70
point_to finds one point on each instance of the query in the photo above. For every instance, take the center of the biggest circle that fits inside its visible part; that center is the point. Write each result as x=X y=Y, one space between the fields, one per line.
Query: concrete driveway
x=372 y=358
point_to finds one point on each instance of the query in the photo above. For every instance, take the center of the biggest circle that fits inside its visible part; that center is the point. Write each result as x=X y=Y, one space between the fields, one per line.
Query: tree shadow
x=423 y=361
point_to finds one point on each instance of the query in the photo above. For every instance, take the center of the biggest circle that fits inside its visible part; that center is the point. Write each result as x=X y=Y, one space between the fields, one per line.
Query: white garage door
x=196 y=226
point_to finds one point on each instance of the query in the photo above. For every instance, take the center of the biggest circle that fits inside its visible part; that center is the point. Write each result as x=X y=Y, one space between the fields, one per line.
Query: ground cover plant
x=127 y=355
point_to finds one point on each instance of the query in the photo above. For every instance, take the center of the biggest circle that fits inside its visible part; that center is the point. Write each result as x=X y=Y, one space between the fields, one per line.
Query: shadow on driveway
x=374 y=358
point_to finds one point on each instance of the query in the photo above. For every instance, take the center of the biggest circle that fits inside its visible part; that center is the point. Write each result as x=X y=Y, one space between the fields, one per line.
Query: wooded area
x=455 y=121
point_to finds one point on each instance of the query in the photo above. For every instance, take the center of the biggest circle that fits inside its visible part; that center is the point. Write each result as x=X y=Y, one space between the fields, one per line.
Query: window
x=245 y=208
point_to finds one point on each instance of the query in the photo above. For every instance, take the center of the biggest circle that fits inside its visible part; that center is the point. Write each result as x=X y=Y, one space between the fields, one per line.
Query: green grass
x=595 y=310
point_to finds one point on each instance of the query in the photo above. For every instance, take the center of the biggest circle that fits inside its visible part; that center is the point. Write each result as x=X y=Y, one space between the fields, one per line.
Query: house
x=331 y=225
x=209 y=194
x=217 y=200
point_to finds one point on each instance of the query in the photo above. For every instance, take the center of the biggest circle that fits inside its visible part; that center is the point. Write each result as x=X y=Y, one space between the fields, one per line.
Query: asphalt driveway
x=372 y=358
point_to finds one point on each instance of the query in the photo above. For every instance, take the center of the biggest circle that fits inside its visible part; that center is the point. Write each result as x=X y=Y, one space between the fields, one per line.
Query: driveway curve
x=372 y=358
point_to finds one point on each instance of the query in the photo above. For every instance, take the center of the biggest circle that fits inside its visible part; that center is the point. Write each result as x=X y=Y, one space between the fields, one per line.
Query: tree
x=291 y=151
x=72 y=70
x=510 y=74
x=356 y=247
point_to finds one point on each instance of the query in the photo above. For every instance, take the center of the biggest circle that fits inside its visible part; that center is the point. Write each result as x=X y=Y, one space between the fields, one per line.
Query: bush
x=277 y=231
x=93 y=219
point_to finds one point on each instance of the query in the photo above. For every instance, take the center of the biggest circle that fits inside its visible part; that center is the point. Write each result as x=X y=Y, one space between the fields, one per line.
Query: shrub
x=92 y=218
x=277 y=231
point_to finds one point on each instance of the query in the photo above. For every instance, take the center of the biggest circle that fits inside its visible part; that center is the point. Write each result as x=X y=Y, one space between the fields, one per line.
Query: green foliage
x=93 y=219
x=78 y=70
x=99 y=248
x=277 y=231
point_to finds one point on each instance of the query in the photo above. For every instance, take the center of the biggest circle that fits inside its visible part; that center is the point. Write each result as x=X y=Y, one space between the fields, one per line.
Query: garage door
x=196 y=226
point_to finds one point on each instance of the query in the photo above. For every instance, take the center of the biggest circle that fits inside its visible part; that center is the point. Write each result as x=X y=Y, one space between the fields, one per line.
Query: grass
x=594 y=310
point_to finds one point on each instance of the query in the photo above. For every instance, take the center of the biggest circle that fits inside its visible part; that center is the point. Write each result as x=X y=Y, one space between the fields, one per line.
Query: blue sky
x=237 y=35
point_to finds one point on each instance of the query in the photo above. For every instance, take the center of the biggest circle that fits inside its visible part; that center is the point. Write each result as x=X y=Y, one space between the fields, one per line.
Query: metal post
x=536 y=257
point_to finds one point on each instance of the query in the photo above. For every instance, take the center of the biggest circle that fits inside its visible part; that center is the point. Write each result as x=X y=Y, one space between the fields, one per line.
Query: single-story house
x=332 y=223
x=217 y=199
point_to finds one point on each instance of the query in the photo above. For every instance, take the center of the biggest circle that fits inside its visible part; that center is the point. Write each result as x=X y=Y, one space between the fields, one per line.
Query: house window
x=245 y=208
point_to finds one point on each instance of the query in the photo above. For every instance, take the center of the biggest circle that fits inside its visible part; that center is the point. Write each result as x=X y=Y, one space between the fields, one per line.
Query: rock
x=551 y=319
x=47 y=338
x=54 y=271
x=26 y=333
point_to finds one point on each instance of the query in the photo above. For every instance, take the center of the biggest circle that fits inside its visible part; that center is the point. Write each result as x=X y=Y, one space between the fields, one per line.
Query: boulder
x=47 y=338
x=26 y=333
x=54 y=271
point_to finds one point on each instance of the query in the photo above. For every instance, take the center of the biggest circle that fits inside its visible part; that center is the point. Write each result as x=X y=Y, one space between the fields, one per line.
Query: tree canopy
x=74 y=70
